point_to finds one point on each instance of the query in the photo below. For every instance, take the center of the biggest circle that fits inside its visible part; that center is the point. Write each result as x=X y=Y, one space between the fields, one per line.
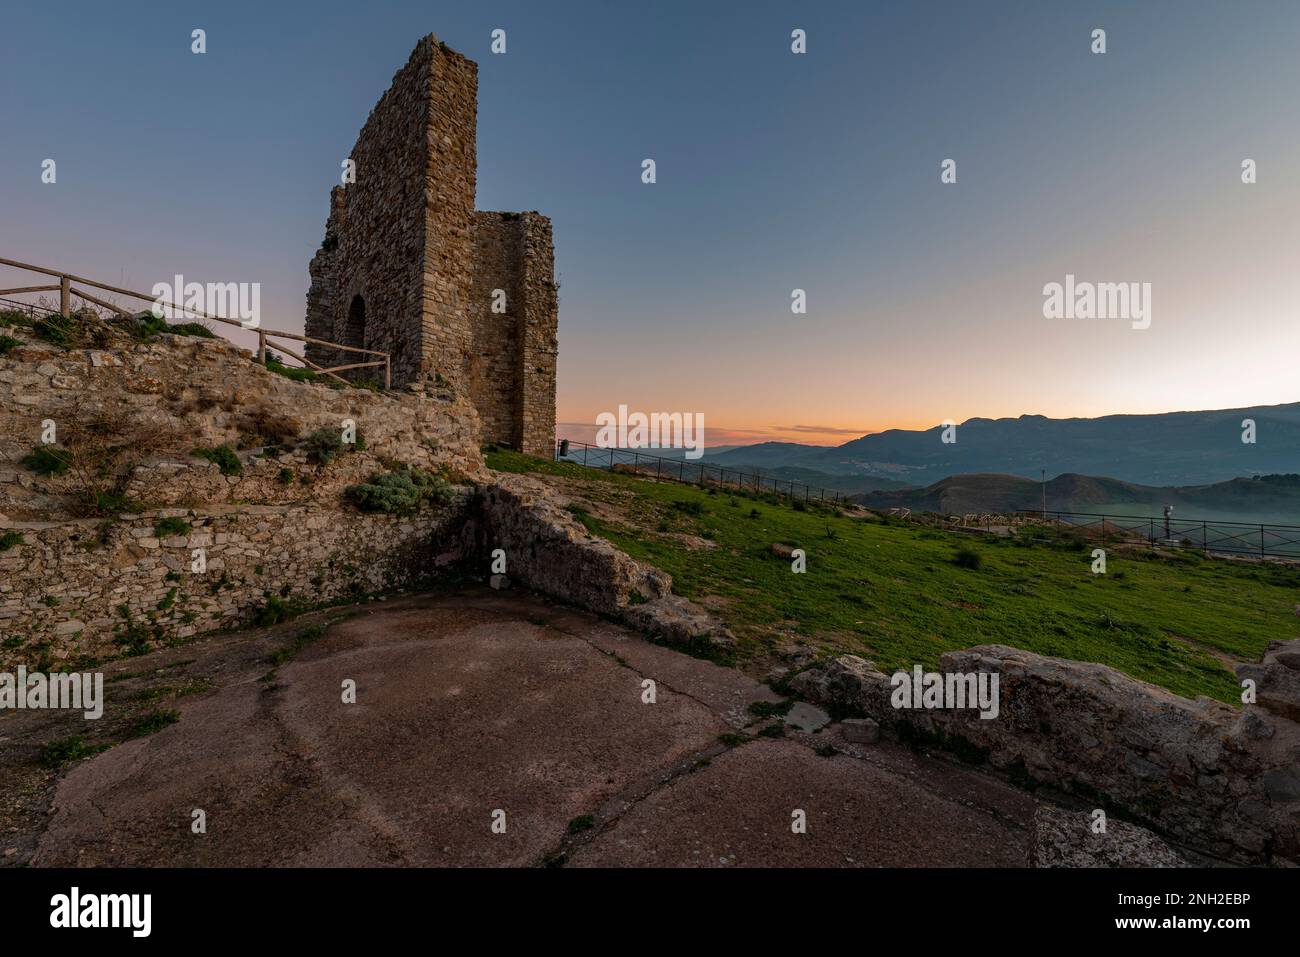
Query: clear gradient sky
x=775 y=171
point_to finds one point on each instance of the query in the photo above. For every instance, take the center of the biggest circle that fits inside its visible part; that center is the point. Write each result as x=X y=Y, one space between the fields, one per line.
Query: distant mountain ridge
x=1268 y=498
x=1161 y=449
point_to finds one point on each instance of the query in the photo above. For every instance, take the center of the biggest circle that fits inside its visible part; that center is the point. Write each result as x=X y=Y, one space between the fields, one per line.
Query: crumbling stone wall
x=404 y=246
x=513 y=388
x=546 y=549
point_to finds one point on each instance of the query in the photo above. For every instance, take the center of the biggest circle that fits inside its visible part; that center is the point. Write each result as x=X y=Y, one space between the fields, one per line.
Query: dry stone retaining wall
x=73 y=590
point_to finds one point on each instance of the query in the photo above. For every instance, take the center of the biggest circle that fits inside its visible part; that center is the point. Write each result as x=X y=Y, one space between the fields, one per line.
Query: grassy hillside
x=902 y=594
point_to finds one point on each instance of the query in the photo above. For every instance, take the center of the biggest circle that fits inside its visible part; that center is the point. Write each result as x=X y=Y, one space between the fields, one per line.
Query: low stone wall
x=548 y=550
x=1221 y=779
x=76 y=590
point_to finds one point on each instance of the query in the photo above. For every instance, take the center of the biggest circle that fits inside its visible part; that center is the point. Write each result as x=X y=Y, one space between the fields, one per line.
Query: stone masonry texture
x=409 y=268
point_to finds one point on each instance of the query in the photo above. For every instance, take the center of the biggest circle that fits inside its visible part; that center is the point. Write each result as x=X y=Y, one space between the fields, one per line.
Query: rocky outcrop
x=1219 y=778
x=165 y=398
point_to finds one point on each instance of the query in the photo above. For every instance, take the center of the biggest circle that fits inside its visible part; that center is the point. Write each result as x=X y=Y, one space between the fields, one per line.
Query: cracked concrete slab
x=740 y=811
x=478 y=704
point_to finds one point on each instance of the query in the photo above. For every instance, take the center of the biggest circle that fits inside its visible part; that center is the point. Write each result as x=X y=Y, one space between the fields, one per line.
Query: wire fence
x=31 y=308
x=1262 y=539
x=692 y=473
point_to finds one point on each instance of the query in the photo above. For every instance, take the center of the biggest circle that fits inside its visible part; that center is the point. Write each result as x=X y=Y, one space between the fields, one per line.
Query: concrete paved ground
x=474 y=704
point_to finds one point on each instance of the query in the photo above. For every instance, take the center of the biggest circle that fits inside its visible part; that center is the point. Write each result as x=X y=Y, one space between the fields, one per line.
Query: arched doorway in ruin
x=354 y=327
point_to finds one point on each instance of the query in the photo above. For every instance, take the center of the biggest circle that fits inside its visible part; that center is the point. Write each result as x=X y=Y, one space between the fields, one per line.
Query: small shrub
x=147 y=325
x=690 y=507
x=168 y=527
x=968 y=558
x=9 y=539
x=109 y=502
x=14 y=317
x=224 y=457
x=398 y=492
x=276 y=610
x=8 y=344
x=196 y=329
x=48 y=460
x=285 y=477
x=65 y=750
x=57 y=330
x=324 y=444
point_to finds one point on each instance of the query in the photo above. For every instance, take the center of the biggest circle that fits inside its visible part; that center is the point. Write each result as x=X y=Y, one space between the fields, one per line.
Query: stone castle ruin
x=410 y=268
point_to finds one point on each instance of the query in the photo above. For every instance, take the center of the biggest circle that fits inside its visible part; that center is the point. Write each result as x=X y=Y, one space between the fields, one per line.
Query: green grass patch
x=224 y=457
x=148 y=325
x=168 y=527
x=48 y=460
x=296 y=373
x=63 y=751
x=300 y=641
x=894 y=593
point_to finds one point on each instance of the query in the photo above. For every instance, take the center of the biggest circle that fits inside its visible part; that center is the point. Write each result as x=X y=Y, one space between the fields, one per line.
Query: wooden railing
x=66 y=291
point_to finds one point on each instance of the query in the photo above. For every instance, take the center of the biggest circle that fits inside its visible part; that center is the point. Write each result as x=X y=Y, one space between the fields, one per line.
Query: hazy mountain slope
x=1173 y=448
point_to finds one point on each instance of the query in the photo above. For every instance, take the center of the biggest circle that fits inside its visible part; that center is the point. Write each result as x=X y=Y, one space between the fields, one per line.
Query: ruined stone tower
x=409 y=268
